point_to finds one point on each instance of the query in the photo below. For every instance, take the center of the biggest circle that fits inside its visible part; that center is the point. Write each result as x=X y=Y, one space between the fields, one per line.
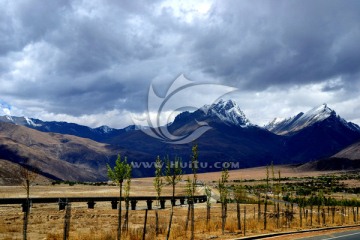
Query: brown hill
x=9 y=176
x=346 y=159
x=330 y=164
x=352 y=152
x=54 y=155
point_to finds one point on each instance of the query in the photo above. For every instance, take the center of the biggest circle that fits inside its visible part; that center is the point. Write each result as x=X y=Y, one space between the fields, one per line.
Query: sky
x=92 y=62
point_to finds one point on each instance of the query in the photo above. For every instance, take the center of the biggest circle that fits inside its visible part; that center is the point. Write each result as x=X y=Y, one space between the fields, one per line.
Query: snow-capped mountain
x=135 y=128
x=228 y=112
x=317 y=134
x=219 y=114
x=303 y=120
x=104 y=129
x=97 y=134
x=23 y=121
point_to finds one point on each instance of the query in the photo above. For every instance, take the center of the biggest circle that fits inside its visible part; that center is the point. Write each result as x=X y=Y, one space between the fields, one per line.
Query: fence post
x=67 y=221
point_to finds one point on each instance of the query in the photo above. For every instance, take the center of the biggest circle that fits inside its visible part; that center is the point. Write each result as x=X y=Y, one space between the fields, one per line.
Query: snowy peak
x=303 y=120
x=104 y=129
x=318 y=114
x=312 y=116
x=135 y=128
x=282 y=125
x=228 y=112
x=23 y=121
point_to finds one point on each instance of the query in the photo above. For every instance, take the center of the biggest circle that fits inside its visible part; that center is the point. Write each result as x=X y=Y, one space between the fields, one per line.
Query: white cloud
x=262 y=107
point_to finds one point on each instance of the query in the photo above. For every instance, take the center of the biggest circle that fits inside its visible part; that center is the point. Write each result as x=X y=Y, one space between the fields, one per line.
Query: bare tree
x=188 y=191
x=173 y=176
x=194 y=168
x=126 y=198
x=266 y=196
x=223 y=196
x=208 y=204
x=278 y=190
x=239 y=195
x=27 y=175
x=158 y=185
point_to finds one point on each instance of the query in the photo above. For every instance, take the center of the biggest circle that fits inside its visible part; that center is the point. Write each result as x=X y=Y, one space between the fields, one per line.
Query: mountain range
x=62 y=150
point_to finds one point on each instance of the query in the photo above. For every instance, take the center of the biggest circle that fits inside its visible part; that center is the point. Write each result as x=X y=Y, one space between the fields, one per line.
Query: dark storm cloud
x=89 y=57
x=280 y=43
x=81 y=55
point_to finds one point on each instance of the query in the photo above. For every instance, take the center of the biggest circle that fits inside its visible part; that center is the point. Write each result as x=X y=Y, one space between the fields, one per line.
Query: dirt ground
x=260 y=173
x=46 y=221
x=139 y=187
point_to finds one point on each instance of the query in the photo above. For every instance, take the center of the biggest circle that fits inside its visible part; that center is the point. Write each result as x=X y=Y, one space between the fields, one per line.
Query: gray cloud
x=85 y=58
x=289 y=42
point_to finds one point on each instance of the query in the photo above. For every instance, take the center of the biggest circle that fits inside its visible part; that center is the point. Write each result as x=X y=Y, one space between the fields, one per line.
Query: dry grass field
x=259 y=173
x=46 y=221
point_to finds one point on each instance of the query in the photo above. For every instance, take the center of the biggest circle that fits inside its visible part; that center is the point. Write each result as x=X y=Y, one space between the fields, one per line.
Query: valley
x=67 y=151
x=46 y=221
x=272 y=184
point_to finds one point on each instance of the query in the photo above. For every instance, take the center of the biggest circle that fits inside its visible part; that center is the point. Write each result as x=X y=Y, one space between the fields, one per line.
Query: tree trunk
x=223 y=218
x=126 y=221
x=187 y=216
x=311 y=214
x=207 y=214
x=259 y=209
x=244 y=220
x=27 y=210
x=318 y=214
x=156 y=222
x=238 y=215
x=172 y=212
x=145 y=220
x=27 y=188
x=119 y=215
x=169 y=227
x=265 y=210
x=278 y=216
x=226 y=208
x=192 y=221
x=300 y=212
x=26 y=218
x=354 y=216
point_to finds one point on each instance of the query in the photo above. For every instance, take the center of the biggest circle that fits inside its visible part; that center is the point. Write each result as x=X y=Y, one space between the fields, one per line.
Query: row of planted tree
x=267 y=204
x=305 y=206
x=286 y=208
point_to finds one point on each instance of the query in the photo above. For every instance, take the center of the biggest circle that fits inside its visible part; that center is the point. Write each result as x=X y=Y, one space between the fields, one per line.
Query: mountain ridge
x=230 y=138
x=292 y=125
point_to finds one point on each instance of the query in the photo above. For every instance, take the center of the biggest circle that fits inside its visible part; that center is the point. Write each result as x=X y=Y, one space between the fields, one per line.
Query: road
x=346 y=235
